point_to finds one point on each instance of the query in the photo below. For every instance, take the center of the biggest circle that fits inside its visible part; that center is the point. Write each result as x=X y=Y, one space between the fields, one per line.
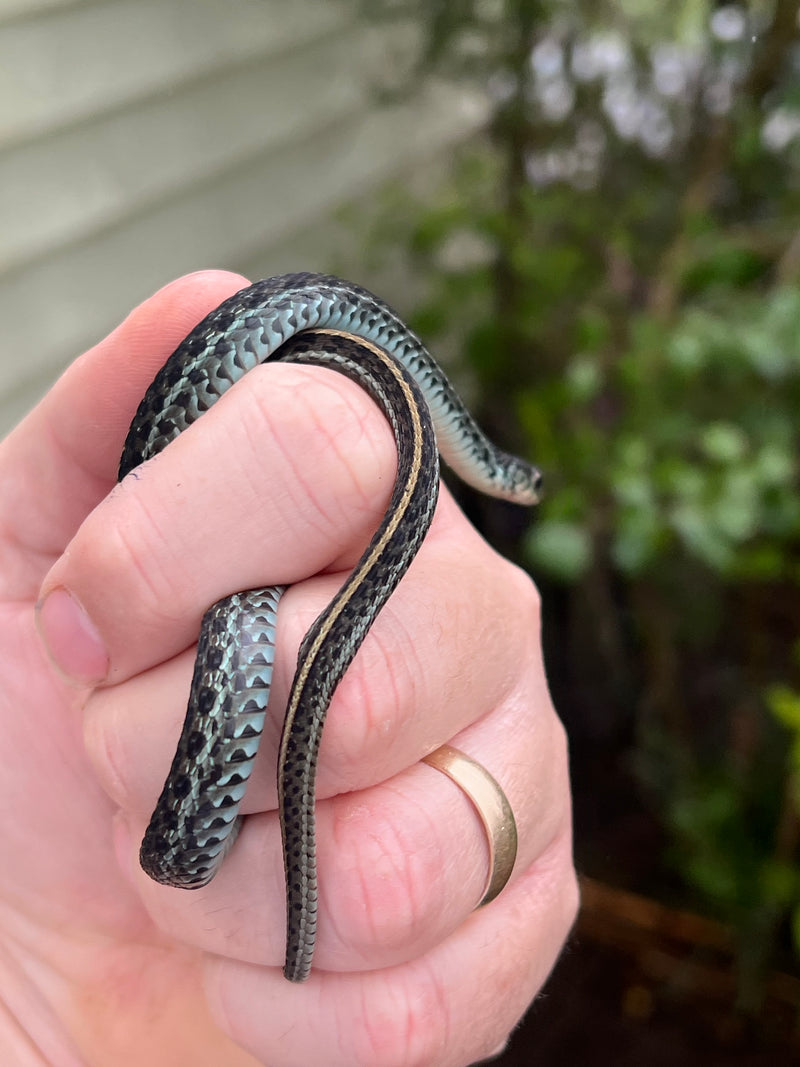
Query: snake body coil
x=310 y=319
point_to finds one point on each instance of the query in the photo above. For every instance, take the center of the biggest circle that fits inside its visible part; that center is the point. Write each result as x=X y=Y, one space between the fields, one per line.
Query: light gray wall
x=140 y=139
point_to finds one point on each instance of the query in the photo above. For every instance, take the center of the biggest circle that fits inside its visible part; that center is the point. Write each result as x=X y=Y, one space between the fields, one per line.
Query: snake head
x=521 y=483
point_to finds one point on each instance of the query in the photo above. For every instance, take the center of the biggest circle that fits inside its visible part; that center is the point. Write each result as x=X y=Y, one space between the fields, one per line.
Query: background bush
x=617 y=262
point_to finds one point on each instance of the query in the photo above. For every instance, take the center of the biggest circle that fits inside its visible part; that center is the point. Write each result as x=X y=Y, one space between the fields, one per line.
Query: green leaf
x=584 y=379
x=563 y=549
x=775 y=465
x=736 y=510
x=780 y=882
x=784 y=703
x=701 y=537
x=687 y=352
x=724 y=442
x=637 y=541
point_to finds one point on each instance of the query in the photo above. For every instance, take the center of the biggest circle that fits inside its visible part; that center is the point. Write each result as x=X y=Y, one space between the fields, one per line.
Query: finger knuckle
x=349 y=440
x=139 y=561
x=411 y=1026
x=389 y=884
x=524 y=592
x=368 y=713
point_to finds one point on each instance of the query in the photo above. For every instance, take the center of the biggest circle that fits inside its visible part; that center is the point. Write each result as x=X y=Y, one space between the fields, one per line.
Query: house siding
x=140 y=140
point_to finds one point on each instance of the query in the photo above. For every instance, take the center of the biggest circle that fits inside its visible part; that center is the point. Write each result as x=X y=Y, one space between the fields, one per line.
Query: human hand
x=284 y=480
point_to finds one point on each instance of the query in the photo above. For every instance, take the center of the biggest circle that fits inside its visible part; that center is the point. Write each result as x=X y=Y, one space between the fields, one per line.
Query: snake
x=317 y=320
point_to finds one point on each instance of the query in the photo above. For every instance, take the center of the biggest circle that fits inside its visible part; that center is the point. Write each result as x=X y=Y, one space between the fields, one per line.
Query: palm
x=59 y=866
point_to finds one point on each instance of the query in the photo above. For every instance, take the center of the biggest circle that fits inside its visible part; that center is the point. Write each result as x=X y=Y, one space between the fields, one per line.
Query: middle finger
x=421 y=676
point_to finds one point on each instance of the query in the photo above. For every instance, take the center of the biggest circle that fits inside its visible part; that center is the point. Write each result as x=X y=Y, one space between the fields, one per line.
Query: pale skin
x=284 y=480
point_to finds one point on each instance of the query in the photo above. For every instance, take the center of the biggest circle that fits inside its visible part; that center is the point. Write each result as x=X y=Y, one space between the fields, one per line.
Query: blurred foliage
x=784 y=703
x=618 y=260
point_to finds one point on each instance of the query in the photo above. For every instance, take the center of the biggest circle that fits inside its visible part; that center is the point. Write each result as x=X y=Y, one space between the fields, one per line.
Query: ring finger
x=401 y=864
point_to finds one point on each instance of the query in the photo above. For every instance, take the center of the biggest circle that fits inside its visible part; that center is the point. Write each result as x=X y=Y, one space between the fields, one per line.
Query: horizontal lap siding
x=26 y=8
x=140 y=140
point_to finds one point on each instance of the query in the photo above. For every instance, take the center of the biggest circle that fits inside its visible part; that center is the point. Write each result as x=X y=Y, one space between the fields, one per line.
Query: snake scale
x=318 y=320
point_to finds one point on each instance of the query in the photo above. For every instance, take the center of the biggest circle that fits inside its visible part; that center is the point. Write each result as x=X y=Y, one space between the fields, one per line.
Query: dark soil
x=643 y=982
x=599 y=1010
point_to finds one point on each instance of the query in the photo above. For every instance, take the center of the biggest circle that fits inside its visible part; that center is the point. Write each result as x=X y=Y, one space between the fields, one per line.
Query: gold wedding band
x=493 y=808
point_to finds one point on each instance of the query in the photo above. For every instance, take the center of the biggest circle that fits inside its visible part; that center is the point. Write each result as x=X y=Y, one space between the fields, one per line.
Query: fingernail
x=71 y=639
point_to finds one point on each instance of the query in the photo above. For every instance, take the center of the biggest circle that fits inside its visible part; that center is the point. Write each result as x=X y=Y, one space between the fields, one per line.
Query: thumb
x=60 y=462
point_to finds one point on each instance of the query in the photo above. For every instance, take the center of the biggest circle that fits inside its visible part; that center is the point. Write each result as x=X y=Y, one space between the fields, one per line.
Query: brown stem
x=662 y=699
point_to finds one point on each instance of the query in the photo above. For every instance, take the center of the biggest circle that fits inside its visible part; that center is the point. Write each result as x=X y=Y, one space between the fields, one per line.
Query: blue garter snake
x=310 y=319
